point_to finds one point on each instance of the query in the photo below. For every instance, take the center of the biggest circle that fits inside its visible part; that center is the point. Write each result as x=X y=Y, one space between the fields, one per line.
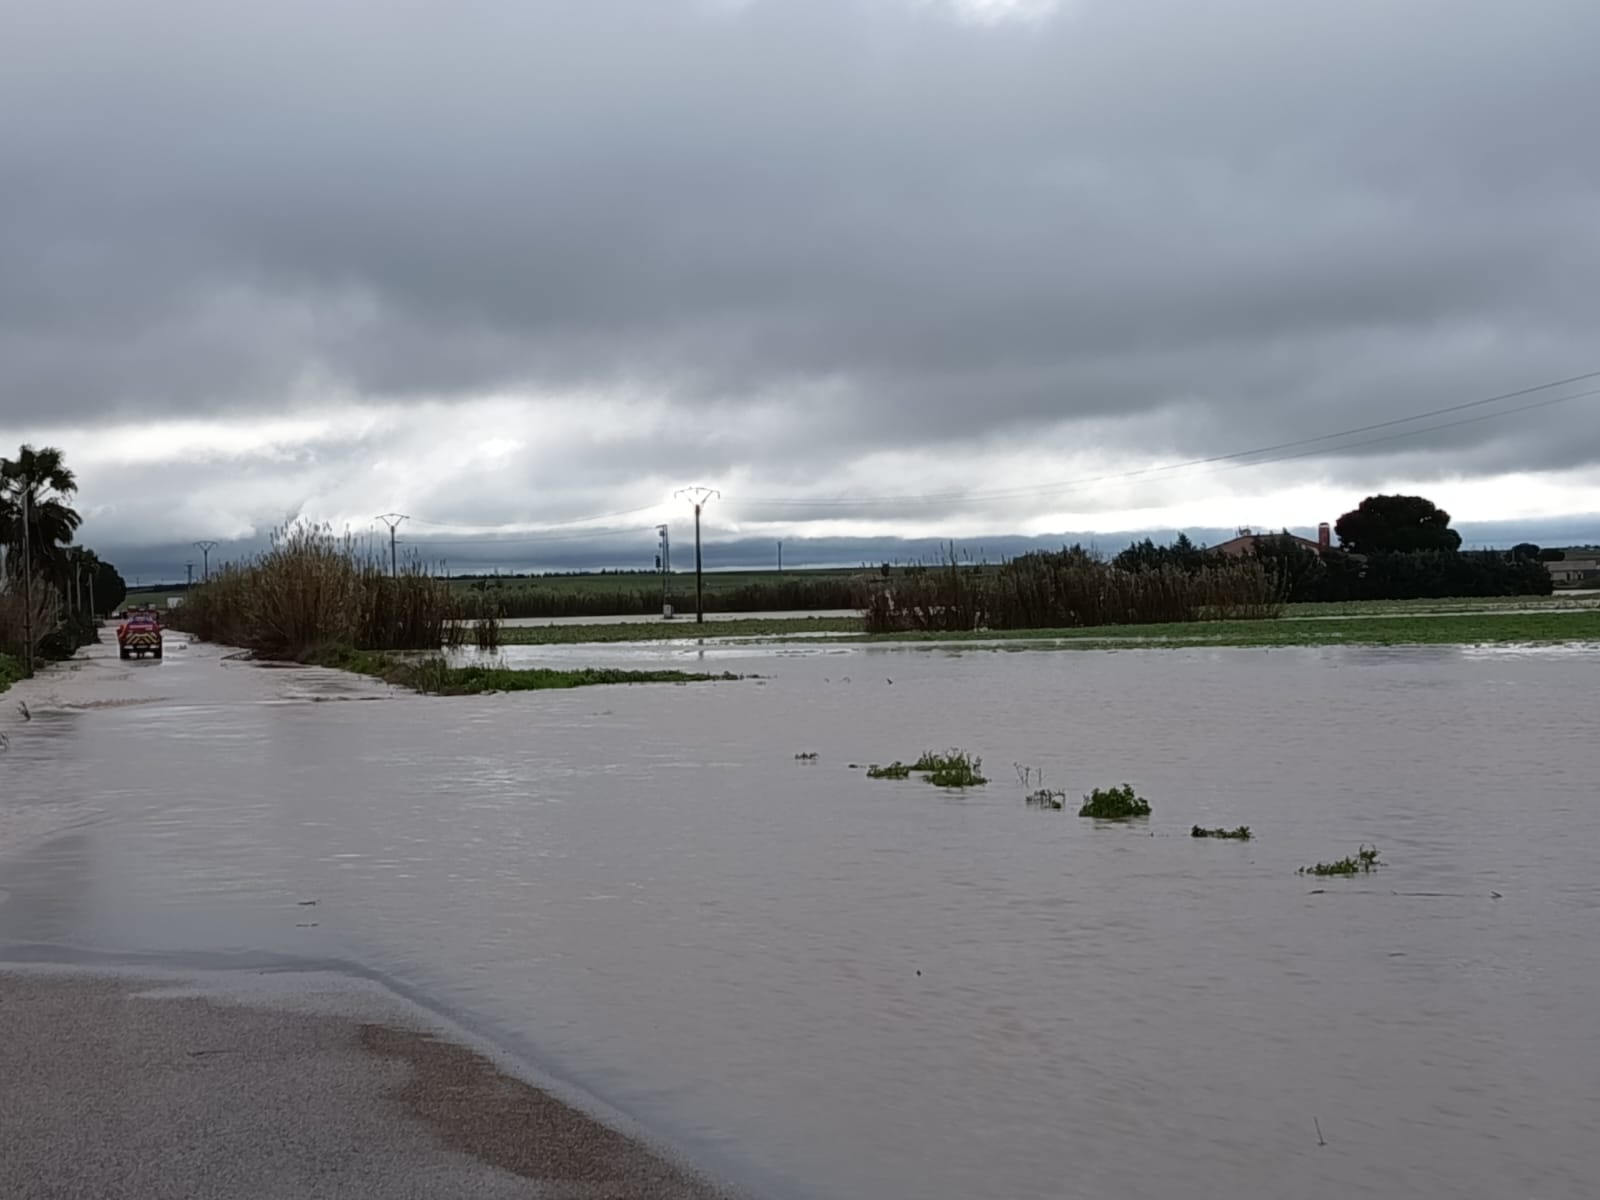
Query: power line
x=627 y=512
x=1067 y=485
x=584 y=535
x=1395 y=437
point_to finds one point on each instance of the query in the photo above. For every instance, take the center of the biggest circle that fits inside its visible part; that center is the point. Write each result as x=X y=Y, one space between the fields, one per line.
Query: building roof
x=1246 y=542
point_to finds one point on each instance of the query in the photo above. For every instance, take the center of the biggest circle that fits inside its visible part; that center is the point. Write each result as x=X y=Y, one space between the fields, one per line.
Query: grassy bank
x=1547 y=624
x=434 y=677
x=10 y=671
x=1443 y=629
x=659 y=630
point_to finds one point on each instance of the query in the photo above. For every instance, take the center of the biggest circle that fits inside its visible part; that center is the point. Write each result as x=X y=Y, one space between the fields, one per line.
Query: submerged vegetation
x=1114 y=804
x=434 y=676
x=1365 y=859
x=1040 y=797
x=806 y=756
x=895 y=770
x=956 y=769
x=1241 y=834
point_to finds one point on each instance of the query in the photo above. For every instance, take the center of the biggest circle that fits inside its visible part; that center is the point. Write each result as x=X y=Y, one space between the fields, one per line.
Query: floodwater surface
x=841 y=987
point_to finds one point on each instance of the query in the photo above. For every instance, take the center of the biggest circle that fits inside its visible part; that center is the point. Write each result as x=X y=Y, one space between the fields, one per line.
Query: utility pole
x=780 y=556
x=392 y=520
x=189 y=566
x=27 y=577
x=94 y=613
x=205 y=549
x=664 y=565
x=699 y=497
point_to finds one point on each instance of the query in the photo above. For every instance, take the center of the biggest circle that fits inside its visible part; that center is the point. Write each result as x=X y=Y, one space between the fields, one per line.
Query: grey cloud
x=1258 y=220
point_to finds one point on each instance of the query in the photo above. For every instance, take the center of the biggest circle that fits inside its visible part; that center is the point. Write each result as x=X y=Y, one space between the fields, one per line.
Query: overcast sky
x=505 y=264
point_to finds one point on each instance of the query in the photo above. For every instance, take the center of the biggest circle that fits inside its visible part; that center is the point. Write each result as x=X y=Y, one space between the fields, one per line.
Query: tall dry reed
x=1063 y=589
x=313 y=590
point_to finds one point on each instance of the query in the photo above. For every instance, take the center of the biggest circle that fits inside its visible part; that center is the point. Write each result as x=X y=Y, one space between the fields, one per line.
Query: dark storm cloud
x=1259 y=220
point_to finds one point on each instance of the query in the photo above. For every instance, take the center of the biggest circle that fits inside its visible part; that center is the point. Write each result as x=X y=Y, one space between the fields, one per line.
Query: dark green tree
x=1526 y=550
x=1396 y=525
x=110 y=589
x=1146 y=555
x=1298 y=569
x=38 y=482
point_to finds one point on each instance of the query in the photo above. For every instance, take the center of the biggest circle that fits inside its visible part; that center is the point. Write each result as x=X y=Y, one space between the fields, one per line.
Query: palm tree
x=38 y=477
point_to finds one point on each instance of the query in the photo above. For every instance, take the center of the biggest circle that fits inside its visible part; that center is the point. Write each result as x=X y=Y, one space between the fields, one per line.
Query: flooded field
x=840 y=987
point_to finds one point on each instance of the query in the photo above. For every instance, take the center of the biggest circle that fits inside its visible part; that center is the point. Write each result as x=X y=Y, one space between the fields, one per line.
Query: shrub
x=1366 y=858
x=1045 y=798
x=957 y=769
x=1114 y=804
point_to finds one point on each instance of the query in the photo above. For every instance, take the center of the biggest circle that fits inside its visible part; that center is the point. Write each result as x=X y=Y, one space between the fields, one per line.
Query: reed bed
x=312 y=590
x=1066 y=589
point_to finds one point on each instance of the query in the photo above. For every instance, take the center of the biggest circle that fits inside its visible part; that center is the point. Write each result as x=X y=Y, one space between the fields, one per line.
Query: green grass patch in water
x=435 y=677
x=957 y=769
x=1114 y=804
x=1241 y=834
x=1365 y=859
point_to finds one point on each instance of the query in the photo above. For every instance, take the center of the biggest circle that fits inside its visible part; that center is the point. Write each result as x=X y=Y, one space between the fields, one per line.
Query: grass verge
x=435 y=677
x=10 y=671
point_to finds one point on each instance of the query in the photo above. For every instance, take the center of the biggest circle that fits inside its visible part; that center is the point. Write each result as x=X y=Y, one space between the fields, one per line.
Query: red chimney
x=1324 y=536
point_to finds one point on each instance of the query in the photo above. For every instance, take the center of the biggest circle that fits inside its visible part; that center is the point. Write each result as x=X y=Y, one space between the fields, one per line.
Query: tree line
x=1390 y=548
x=52 y=590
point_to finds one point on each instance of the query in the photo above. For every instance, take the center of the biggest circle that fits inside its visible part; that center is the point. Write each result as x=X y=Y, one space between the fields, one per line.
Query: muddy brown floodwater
x=839 y=987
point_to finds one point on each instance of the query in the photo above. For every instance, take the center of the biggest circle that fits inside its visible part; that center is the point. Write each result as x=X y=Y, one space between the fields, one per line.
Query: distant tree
x=1552 y=555
x=1396 y=525
x=110 y=589
x=1146 y=555
x=1526 y=550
